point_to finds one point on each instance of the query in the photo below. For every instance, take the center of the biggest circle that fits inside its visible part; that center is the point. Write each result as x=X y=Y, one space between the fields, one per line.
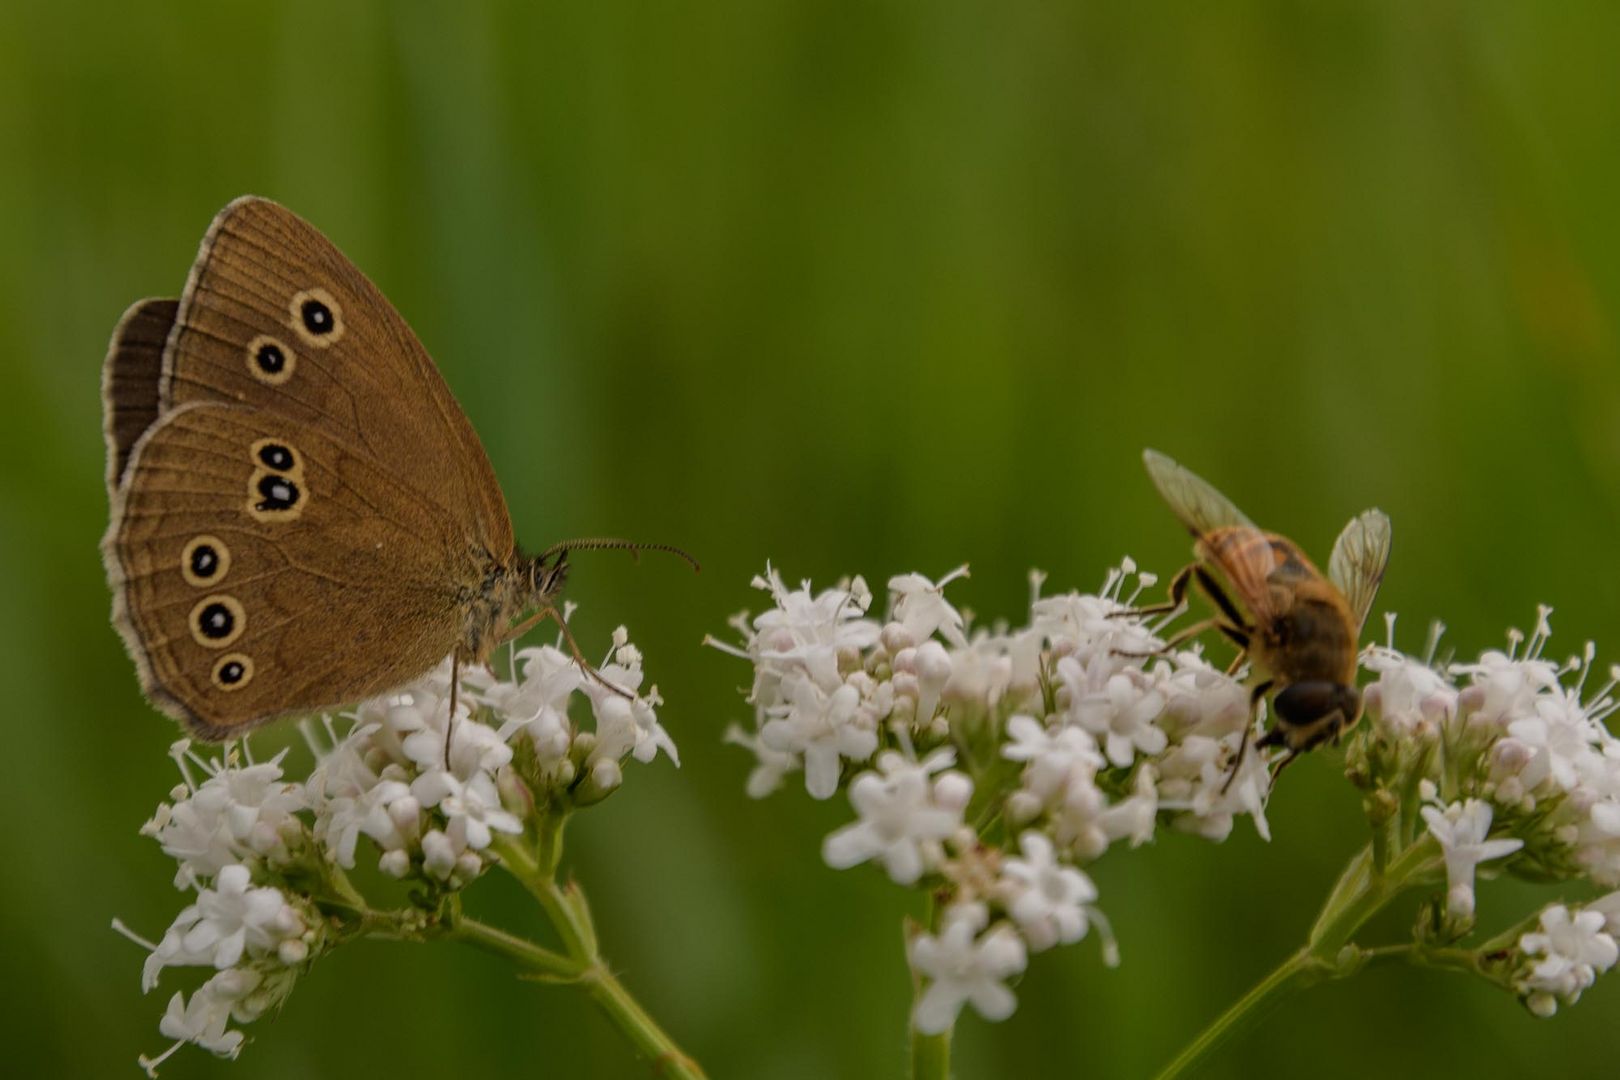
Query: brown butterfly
x=302 y=516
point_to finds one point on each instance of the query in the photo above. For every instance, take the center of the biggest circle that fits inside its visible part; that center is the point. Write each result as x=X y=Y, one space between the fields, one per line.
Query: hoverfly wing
x=1200 y=507
x=1359 y=557
x=1225 y=535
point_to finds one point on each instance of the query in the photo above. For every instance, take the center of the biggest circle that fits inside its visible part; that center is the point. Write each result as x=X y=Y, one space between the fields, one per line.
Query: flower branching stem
x=579 y=963
x=1361 y=892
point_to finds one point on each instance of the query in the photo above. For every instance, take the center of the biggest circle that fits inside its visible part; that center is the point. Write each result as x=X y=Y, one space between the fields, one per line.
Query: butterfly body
x=301 y=514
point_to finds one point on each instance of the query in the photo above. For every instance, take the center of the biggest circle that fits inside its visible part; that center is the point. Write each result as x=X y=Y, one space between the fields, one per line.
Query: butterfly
x=301 y=514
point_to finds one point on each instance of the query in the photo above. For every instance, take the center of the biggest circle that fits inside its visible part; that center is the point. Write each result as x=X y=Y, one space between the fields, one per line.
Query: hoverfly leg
x=1215 y=594
x=1255 y=695
x=1240 y=638
x=1176 y=602
x=1283 y=764
x=1174 y=641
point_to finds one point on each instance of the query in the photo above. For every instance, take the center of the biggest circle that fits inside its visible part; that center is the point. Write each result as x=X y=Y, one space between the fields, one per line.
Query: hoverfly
x=1299 y=630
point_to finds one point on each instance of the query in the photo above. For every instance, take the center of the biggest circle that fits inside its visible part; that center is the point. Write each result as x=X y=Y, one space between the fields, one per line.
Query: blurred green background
x=859 y=287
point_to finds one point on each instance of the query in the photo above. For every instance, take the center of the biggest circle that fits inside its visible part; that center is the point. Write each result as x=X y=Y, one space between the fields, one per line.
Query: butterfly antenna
x=579 y=658
x=613 y=543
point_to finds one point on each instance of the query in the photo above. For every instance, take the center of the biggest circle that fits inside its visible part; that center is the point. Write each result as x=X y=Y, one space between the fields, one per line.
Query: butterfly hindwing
x=243 y=538
x=130 y=380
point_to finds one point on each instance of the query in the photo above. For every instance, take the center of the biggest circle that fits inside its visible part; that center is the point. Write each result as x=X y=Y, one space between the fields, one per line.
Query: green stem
x=565 y=908
x=1361 y=892
x=1247 y=1011
x=639 y=1027
x=527 y=954
x=930 y=1054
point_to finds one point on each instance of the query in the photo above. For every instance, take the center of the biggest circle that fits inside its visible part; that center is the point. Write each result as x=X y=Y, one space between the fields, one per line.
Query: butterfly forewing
x=239 y=537
x=1357 y=564
x=276 y=318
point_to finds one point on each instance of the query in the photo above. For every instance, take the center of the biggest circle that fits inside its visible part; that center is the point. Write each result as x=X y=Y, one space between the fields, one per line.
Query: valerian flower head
x=427 y=793
x=988 y=765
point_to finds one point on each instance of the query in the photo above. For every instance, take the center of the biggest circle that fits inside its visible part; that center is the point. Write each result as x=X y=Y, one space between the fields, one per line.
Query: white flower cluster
x=266 y=856
x=990 y=765
x=1568 y=953
x=1511 y=756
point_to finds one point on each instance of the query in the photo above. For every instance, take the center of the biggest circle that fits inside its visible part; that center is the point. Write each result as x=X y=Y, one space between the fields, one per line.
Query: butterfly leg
x=455 y=689
x=549 y=611
x=1255 y=695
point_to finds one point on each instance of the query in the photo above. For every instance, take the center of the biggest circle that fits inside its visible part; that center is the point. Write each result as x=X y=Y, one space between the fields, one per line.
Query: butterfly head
x=543 y=577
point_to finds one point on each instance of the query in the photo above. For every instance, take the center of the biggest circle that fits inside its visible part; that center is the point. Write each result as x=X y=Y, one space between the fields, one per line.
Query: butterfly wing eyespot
x=232 y=672
x=316 y=317
x=270 y=361
x=205 y=560
x=217 y=621
x=278 y=455
x=275 y=497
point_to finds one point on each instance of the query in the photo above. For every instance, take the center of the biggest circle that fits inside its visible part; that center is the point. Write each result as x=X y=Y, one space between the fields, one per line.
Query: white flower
x=1504 y=687
x=1560 y=733
x=1409 y=695
x=472 y=808
x=1045 y=898
x=537 y=702
x=1195 y=776
x=770 y=767
x=238 y=812
x=903 y=818
x=1608 y=906
x=202 y=1020
x=920 y=606
x=1574 y=950
x=823 y=728
x=1461 y=830
x=1121 y=713
x=224 y=923
x=964 y=965
x=351 y=799
x=807 y=631
x=627 y=726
